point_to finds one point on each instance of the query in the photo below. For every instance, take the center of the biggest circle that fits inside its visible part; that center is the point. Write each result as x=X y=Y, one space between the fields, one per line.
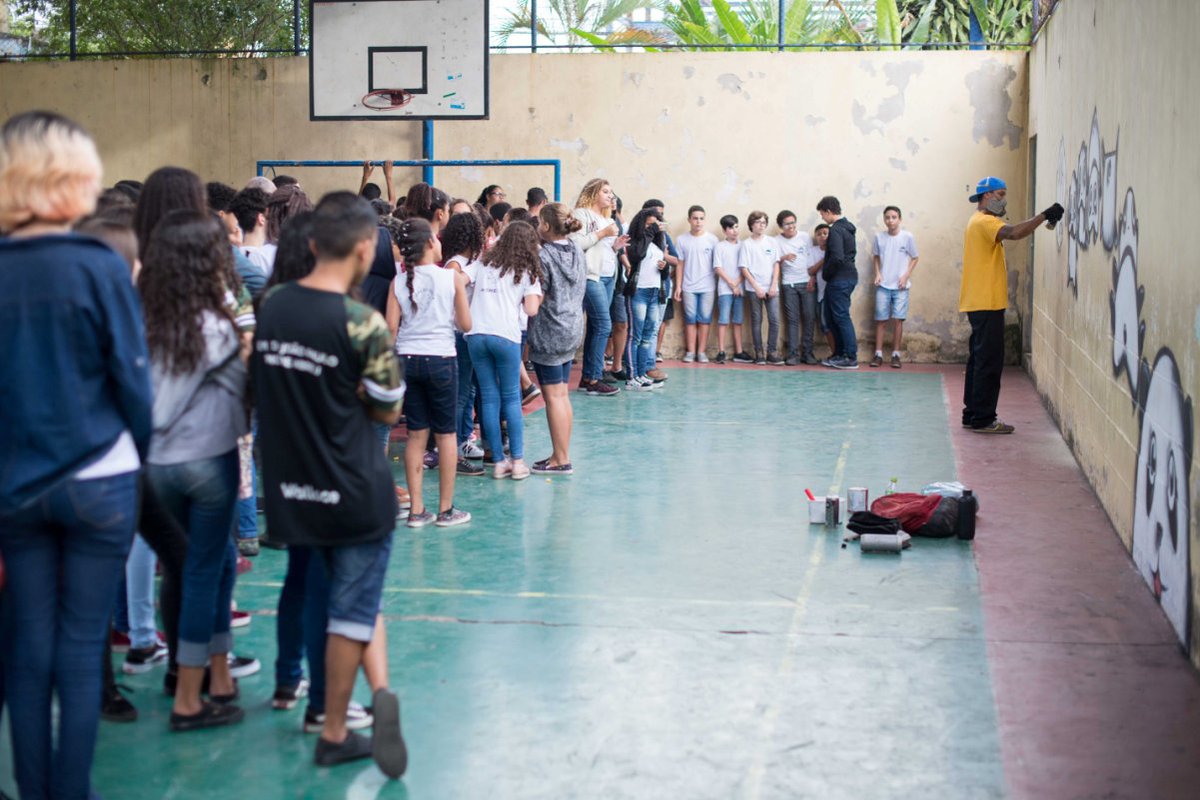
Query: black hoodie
x=841 y=252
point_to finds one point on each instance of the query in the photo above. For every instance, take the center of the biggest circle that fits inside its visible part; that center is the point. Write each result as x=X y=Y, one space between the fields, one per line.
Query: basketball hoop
x=386 y=99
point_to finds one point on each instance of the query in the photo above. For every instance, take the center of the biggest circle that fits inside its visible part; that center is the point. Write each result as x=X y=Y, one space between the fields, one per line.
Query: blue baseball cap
x=988 y=184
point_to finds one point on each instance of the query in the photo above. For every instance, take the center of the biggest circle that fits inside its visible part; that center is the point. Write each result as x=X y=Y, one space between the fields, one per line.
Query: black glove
x=1054 y=213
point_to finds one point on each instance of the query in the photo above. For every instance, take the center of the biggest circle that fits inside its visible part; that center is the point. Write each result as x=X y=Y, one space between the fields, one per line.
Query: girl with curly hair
x=463 y=240
x=198 y=370
x=508 y=281
x=600 y=239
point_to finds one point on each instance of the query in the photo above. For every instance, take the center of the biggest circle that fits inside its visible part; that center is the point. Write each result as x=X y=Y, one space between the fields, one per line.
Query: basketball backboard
x=434 y=50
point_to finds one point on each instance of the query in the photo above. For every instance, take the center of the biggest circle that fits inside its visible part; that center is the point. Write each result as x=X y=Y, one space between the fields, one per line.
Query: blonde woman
x=600 y=239
x=76 y=352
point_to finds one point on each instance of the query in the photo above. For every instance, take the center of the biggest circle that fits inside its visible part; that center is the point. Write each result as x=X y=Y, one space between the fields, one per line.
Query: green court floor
x=662 y=624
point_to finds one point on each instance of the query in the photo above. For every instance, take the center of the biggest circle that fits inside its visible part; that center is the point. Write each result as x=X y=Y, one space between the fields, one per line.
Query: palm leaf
x=735 y=30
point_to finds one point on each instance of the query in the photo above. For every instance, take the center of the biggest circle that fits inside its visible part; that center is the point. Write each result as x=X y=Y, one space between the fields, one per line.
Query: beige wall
x=733 y=132
x=1112 y=87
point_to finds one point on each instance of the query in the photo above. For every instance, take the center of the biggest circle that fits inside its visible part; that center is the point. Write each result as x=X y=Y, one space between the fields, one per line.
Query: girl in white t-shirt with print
x=507 y=282
x=429 y=301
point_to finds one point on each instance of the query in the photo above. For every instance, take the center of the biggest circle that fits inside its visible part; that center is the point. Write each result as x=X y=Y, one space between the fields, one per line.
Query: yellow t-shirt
x=985 y=272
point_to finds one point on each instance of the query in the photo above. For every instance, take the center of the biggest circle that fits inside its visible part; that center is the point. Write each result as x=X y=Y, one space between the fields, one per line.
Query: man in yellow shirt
x=984 y=297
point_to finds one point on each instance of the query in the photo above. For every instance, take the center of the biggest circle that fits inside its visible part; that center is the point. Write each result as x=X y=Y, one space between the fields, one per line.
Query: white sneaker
x=702 y=359
x=689 y=358
x=357 y=718
x=635 y=384
x=469 y=449
x=648 y=385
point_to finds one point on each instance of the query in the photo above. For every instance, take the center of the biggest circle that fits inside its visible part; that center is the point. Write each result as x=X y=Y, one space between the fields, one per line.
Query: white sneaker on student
x=636 y=384
x=688 y=358
x=702 y=358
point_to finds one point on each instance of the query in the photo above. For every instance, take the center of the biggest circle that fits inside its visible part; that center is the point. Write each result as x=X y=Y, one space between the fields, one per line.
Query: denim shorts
x=432 y=396
x=729 y=309
x=619 y=310
x=697 y=308
x=356 y=575
x=890 y=303
x=549 y=376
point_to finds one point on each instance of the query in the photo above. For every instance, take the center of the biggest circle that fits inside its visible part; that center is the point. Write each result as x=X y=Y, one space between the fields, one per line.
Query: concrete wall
x=732 y=132
x=1116 y=324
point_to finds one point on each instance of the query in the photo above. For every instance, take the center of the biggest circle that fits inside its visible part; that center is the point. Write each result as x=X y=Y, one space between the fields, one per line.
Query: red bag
x=913 y=510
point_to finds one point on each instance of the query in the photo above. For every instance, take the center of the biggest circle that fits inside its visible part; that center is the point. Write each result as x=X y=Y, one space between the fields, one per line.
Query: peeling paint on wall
x=574 y=145
x=912 y=146
x=892 y=107
x=688 y=72
x=635 y=78
x=862 y=189
x=898 y=163
x=730 y=82
x=812 y=121
x=988 y=87
x=629 y=144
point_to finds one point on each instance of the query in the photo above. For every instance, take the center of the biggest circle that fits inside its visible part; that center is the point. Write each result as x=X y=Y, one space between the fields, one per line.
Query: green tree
x=757 y=23
x=584 y=23
x=155 y=25
x=949 y=20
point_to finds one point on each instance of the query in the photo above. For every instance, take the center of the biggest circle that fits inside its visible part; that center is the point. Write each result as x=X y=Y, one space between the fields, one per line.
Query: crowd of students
x=202 y=332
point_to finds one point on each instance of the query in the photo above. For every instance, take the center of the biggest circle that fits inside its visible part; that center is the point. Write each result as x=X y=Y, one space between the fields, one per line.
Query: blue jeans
x=644 y=331
x=466 y=388
x=497 y=364
x=837 y=295
x=139 y=586
x=201 y=496
x=300 y=626
x=64 y=555
x=596 y=303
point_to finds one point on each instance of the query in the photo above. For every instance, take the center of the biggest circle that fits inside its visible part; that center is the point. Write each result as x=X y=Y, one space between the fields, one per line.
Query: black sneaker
x=211 y=715
x=895 y=361
x=355 y=747
x=248 y=547
x=469 y=468
x=287 y=697
x=720 y=359
x=530 y=393
x=996 y=426
x=774 y=358
x=619 y=376
x=743 y=358
x=115 y=708
x=387 y=746
x=144 y=659
x=877 y=361
x=243 y=666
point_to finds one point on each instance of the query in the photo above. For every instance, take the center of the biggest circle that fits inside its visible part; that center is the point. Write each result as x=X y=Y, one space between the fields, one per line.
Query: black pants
x=985 y=364
x=169 y=542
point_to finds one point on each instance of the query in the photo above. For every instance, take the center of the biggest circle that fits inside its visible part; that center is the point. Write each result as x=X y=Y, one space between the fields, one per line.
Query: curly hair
x=516 y=253
x=463 y=236
x=167 y=189
x=590 y=193
x=183 y=275
x=392 y=226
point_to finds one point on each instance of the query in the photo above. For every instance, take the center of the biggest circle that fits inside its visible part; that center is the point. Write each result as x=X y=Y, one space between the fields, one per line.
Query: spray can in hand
x=968 y=505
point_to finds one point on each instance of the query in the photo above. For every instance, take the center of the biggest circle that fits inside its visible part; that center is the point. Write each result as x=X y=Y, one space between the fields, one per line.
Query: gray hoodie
x=557 y=330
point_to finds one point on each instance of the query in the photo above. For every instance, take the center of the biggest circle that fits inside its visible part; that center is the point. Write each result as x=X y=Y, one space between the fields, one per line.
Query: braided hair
x=415 y=234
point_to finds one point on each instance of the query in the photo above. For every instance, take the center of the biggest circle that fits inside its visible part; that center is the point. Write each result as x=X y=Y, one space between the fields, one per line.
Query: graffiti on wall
x=1162 y=487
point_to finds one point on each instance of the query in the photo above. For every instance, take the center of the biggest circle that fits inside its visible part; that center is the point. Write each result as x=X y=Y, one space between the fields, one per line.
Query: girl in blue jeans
x=647 y=260
x=507 y=281
x=199 y=374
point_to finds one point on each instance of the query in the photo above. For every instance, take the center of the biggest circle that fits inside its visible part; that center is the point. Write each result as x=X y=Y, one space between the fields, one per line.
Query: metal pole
x=427 y=150
x=975 y=32
x=781 y=32
x=533 y=26
x=296 y=27
x=74 y=33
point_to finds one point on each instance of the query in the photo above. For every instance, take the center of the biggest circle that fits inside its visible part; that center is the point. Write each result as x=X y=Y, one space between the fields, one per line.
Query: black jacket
x=841 y=253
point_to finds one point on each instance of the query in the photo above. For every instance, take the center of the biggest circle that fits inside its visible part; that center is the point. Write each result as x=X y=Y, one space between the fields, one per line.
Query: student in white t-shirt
x=694 y=285
x=758 y=260
x=506 y=284
x=249 y=207
x=429 y=303
x=729 y=290
x=799 y=300
x=894 y=254
x=462 y=240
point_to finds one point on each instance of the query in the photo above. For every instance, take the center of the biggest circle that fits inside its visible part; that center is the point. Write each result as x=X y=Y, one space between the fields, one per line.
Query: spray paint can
x=856 y=499
x=833 y=511
x=880 y=543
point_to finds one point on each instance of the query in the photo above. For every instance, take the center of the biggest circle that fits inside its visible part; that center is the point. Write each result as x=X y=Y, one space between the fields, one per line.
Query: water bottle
x=891 y=487
x=968 y=504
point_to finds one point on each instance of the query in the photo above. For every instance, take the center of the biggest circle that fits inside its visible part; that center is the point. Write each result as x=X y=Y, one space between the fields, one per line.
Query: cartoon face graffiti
x=1125 y=299
x=1161 y=528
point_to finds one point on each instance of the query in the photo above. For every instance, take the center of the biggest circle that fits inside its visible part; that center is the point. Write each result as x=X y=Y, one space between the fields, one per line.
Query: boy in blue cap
x=984 y=297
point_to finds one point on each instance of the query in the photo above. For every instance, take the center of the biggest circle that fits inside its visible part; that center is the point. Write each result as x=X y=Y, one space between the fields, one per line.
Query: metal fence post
x=74 y=32
x=533 y=26
x=781 y=32
x=296 y=27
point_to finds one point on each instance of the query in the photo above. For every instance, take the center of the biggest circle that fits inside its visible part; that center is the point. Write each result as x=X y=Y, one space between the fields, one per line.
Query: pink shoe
x=502 y=469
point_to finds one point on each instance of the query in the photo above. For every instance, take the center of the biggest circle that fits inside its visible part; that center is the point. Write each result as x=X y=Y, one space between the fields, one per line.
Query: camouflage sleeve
x=370 y=338
x=242 y=307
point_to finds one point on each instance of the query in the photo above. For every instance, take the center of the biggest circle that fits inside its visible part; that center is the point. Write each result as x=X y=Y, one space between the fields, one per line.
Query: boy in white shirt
x=758 y=260
x=799 y=301
x=816 y=260
x=694 y=284
x=894 y=254
x=729 y=290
